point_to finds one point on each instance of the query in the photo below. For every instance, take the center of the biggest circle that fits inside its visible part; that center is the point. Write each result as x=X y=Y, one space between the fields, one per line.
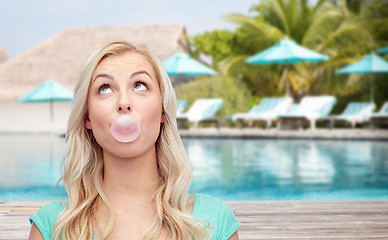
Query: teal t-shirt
x=220 y=216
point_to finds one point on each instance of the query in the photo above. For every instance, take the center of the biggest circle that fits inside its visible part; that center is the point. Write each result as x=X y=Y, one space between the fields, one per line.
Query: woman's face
x=124 y=84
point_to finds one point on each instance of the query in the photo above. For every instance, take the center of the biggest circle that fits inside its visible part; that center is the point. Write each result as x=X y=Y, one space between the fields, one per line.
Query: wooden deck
x=259 y=220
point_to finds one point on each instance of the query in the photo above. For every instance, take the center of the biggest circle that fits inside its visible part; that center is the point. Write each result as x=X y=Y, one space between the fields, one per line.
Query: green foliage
x=218 y=43
x=322 y=27
x=376 y=13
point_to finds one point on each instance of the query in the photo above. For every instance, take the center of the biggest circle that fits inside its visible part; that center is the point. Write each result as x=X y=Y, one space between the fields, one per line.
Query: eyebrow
x=140 y=72
x=105 y=75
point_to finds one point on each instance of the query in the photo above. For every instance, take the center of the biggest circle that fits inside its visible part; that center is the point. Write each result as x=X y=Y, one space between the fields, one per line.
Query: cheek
x=152 y=114
x=97 y=115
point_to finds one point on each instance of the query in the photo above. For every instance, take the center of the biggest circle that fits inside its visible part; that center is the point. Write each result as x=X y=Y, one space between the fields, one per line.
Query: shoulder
x=217 y=214
x=46 y=217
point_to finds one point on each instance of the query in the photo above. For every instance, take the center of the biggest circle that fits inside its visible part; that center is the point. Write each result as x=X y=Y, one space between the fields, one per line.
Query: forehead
x=130 y=61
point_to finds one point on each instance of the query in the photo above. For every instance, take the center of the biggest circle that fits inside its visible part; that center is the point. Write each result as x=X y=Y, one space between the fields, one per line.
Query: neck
x=131 y=180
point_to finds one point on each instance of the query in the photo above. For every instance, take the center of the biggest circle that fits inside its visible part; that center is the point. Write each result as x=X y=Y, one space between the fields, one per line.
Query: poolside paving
x=340 y=134
x=259 y=220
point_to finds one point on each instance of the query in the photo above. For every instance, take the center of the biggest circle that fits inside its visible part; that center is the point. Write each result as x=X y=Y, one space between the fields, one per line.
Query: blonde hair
x=82 y=166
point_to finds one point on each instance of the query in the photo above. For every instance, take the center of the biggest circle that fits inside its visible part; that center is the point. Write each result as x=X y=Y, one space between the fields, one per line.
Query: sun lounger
x=267 y=111
x=311 y=109
x=202 y=110
x=356 y=112
x=381 y=116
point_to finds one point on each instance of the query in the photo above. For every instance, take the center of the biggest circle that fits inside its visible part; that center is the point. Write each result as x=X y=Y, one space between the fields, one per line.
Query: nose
x=123 y=105
x=122 y=108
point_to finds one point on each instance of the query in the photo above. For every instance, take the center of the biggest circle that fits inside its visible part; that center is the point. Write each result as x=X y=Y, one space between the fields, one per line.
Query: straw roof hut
x=3 y=55
x=62 y=56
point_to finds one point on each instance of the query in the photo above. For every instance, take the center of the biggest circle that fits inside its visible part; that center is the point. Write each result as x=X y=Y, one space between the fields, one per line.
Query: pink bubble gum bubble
x=125 y=128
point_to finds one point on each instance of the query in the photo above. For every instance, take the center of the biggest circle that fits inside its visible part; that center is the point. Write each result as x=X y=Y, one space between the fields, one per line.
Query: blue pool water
x=232 y=169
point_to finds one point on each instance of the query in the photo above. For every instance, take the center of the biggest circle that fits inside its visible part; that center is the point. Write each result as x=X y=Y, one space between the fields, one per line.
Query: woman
x=128 y=190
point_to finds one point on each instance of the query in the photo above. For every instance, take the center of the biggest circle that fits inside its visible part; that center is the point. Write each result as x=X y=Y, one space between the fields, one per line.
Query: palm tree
x=325 y=27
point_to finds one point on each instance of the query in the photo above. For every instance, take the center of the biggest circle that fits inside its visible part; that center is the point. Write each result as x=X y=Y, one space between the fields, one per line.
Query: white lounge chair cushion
x=315 y=107
x=203 y=109
x=268 y=109
x=357 y=112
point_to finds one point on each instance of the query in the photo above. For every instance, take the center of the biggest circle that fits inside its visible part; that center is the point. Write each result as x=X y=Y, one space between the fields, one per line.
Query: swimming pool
x=232 y=169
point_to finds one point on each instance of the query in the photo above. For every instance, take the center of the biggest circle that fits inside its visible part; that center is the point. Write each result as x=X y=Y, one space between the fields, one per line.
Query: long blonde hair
x=82 y=166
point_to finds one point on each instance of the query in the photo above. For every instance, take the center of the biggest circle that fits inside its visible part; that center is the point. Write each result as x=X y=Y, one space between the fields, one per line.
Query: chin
x=133 y=150
x=128 y=151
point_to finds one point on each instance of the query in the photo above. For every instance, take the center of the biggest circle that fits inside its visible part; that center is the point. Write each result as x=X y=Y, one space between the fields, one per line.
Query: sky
x=25 y=23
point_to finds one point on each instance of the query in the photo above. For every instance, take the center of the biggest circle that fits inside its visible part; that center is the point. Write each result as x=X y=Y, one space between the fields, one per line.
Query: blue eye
x=140 y=86
x=104 y=89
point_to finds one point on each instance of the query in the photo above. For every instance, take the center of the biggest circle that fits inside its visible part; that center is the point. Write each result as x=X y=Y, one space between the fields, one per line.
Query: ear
x=87 y=123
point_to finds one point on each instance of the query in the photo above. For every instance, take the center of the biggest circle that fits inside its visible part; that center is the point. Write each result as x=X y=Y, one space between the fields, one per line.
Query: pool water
x=231 y=169
x=263 y=169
